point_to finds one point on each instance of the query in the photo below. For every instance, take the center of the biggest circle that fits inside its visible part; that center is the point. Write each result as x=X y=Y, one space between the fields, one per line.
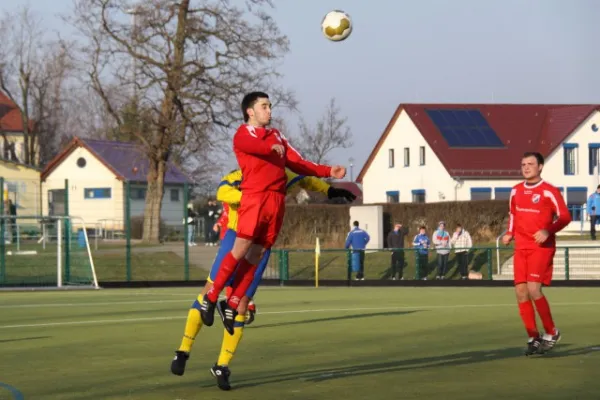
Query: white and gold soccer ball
x=336 y=25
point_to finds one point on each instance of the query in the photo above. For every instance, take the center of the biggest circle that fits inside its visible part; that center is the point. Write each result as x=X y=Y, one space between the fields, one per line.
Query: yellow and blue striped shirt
x=229 y=190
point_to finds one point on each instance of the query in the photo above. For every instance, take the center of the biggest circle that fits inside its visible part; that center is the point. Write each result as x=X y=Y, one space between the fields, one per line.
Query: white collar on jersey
x=534 y=185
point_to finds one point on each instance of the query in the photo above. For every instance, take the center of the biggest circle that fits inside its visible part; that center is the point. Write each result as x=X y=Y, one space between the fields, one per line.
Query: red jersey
x=223 y=221
x=262 y=168
x=536 y=207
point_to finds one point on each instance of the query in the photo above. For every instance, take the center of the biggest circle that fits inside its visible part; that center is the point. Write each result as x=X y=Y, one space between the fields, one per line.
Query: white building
x=447 y=152
x=97 y=171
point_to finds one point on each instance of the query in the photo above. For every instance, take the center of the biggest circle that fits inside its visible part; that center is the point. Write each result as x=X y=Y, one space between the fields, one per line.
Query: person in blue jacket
x=593 y=210
x=358 y=239
x=422 y=243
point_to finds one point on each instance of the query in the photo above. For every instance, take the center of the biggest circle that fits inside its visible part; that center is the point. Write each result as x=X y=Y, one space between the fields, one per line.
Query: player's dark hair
x=422 y=227
x=538 y=156
x=355 y=223
x=249 y=100
x=458 y=225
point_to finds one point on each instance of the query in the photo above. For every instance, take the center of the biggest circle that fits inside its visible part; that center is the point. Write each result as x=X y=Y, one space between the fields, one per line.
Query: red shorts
x=534 y=265
x=260 y=217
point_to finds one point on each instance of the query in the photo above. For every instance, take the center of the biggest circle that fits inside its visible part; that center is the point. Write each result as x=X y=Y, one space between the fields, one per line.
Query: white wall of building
x=94 y=175
x=435 y=180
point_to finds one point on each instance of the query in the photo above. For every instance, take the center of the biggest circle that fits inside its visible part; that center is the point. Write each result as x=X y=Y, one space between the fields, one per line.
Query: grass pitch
x=306 y=343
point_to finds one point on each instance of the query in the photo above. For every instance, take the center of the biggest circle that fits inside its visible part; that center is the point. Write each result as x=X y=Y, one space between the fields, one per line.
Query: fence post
x=489 y=263
x=567 y=263
x=418 y=264
x=186 y=238
x=284 y=273
x=67 y=235
x=128 y=231
x=2 y=232
x=349 y=263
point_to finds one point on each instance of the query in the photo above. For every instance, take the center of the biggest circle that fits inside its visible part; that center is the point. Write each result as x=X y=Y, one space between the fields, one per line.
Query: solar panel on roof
x=464 y=128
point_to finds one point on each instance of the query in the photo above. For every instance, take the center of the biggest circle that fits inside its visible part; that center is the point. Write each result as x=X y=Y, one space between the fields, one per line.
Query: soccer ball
x=336 y=25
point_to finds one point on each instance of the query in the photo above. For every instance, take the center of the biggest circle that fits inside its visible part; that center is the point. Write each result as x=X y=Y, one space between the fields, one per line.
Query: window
x=594 y=153
x=481 y=193
x=576 y=197
x=81 y=162
x=137 y=193
x=406 y=156
x=502 y=193
x=174 y=194
x=391 y=158
x=570 y=152
x=418 y=196
x=393 y=196
x=99 y=193
x=422 y=155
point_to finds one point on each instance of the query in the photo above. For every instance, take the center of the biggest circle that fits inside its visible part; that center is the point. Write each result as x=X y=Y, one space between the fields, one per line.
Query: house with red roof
x=460 y=152
x=11 y=126
x=97 y=173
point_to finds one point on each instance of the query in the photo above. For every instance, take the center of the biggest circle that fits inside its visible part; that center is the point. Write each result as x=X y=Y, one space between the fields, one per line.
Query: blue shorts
x=225 y=247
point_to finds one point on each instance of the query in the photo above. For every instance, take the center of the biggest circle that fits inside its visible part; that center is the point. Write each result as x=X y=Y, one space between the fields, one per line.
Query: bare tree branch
x=179 y=73
x=329 y=133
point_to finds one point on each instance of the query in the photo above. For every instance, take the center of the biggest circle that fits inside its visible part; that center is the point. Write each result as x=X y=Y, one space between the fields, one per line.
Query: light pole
x=134 y=12
x=351 y=161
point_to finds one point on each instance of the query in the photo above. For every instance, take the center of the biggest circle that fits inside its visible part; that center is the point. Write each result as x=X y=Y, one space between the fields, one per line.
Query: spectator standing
x=395 y=241
x=191 y=220
x=422 y=243
x=593 y=210
x=462 y=243
x=358 y=239
x=441 y=241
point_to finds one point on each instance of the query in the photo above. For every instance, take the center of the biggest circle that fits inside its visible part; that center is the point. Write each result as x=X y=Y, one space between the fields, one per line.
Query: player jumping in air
x=537 y=213
x=230 y=195
x=262 y=154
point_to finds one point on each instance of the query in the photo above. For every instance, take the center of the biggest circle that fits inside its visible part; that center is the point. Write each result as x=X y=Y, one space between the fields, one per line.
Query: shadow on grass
x=24 y=338
x=329 y=319
x=456 y=359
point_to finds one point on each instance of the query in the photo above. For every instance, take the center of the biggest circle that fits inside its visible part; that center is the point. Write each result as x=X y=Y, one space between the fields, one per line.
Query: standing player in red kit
x=537 y=212
x=262 y=154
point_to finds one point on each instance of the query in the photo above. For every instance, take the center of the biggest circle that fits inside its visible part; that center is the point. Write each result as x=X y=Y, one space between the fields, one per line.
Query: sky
x=426 y=51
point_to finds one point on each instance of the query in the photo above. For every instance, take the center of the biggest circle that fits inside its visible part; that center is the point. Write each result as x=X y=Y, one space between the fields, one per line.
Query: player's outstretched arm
x=314 y=184
x=295 y=162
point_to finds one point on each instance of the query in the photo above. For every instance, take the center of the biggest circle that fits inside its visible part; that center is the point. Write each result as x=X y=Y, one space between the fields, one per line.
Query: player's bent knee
x=521 y=292
x=254 y=254
x=241 y=246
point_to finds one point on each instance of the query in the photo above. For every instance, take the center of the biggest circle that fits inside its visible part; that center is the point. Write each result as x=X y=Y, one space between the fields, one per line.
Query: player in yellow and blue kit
x=229 y=192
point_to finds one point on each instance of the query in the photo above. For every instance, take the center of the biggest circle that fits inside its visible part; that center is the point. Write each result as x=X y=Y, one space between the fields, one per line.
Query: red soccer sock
x=243 y=280
x=226 y=269
x=528 y=316
x=543 y=309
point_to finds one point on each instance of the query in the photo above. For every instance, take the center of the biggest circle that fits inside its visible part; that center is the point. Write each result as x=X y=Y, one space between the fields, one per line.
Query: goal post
x=45 y=252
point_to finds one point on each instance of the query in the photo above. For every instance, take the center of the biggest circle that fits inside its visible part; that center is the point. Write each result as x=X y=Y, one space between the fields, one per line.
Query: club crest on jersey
x=535 y=198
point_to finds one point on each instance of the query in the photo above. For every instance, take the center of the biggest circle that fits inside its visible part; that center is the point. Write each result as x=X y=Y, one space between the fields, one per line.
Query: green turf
x=306 y=343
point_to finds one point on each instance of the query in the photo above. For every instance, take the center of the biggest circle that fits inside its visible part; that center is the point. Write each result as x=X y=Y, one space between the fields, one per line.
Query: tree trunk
x=154 y=196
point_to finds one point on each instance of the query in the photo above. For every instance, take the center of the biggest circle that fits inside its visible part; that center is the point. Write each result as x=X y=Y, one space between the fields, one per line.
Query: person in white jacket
x=441 y=241
x=461 y=241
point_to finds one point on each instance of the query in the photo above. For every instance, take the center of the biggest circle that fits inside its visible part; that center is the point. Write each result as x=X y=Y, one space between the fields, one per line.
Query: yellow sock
x=230 y=342
x=192 y=326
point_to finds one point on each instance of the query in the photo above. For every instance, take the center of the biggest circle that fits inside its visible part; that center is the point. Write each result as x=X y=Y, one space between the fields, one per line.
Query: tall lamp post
x=351 y=161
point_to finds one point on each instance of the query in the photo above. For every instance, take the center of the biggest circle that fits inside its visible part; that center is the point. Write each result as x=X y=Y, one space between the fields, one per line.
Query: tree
x=329 y=133
x=33 y=74
x=187 y=65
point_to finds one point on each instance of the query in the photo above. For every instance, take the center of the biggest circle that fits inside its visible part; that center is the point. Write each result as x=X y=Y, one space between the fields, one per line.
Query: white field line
x=324 y=310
